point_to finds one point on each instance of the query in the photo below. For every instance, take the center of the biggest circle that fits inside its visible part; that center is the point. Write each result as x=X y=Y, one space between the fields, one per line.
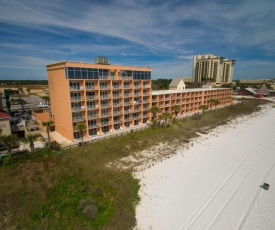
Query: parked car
x=41 y=105
x=23 y=107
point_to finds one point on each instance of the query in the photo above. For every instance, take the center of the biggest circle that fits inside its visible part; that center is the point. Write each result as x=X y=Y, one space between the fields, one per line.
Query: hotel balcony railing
x=77 y=98
x=104 y=123
x=154 y=100
x=117 y=95
x=145 y=93
x=91 y=97
x=92 y=107
x=127 y=86
x=127 y=111
x=167 y=99
x=117 y=86
x=136 y=94
x=136 y=117
x=167 y=105
x=78 y=118
x=105 y=106
x=104 y=87
x=128 y=95
x=146 y=86
x=90 y=87
x=137 y=109
x=92 y=116
x=137 y=86
x=118 y=121
x=126 y=77
x=161 y=99
x=127 y=102
x=92 y=125
x=145 y=101
x=116 y=104
x=145 y=115
x=128 y=119
x=145 y=108
x=173 y=98
x=104 y=96
x=117 y=112
x=77 y=108
x=76 y=88
x=105 y=114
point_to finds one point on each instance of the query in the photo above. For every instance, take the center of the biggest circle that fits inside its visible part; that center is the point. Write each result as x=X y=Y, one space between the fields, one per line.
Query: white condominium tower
x=210 y=68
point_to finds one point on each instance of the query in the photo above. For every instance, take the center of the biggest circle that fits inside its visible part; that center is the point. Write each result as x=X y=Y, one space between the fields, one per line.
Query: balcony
x=146 y=115
x=117 y=112
x=137 y=109
x=127 y=111
x=90 y=88
x=117 y=86
x=145 y=101
x=77 y=98
x=91 y=107
x=78 y=108
x=128 y=118
x=117 y=95
x=92 y=116
x=79 y=118
x=117 y=121
x=116 y=104
x=103 y=87
x=105 y=114
x=76 y=88
x=137 y=86
x=145 y=108
x=127 y=86
x=89 y=98
x=104 y=96
x=92 y=125
x=146 y=86
x=105 y=123
x=136 y=117
x=127 y=102
x=106 y=106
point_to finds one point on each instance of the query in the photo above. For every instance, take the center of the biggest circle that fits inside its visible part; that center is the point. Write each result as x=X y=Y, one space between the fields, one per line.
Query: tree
x=155 y=110
x=28 y=90
x=81 y=127
x=46 y=99
x=175 y=109
x=9 y=141
x=31 y=138
x=20 y=90
x=166 y=117
x=48 y=125
x=203 y=108
x=12 y=101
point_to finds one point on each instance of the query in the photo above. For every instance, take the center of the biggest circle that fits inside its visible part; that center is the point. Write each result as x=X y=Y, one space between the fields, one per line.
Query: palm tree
x=166 y=117
x=9 y=141
x=203 y=108
x=48 y=125
x=28 y=90
x=20 y=90
x=81 y=127
x=31 y=138
x=154 y=110
x=176 y=109
x=46 y=99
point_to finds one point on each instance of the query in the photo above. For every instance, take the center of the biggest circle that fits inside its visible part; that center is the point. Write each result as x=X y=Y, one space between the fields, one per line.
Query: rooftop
x=160 y=92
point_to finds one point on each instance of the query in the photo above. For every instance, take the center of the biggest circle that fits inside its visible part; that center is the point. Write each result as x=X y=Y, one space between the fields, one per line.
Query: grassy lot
x=52 y=190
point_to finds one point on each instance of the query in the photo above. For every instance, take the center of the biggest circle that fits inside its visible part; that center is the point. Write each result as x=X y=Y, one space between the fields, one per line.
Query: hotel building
x=110 y=97
x=210 y=68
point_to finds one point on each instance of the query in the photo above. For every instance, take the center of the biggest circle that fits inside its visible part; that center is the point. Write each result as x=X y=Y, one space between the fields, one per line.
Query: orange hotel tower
x=110 y=97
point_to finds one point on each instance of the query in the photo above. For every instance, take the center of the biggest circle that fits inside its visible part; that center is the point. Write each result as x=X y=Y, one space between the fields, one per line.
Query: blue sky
x=164 y=35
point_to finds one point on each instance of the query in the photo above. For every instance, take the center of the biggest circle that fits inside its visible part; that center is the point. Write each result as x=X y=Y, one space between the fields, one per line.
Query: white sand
x=216 y=183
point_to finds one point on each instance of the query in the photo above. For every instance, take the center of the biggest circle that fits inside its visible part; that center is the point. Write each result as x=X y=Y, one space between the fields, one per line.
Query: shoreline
x=152 y=179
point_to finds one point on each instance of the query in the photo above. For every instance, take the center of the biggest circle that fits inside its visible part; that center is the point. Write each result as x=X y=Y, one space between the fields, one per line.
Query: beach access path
x=216 y=183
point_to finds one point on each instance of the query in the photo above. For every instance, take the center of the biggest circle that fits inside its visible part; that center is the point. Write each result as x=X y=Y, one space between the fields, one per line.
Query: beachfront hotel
x=110 y=97
x=210 y=68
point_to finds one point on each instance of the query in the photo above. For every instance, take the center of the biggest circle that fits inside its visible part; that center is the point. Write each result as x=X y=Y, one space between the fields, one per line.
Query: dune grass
x=45 y=191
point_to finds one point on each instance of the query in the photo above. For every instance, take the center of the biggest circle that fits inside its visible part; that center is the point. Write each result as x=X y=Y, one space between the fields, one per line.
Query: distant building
x=5 y=122
x=210 y=68
x=177 y=84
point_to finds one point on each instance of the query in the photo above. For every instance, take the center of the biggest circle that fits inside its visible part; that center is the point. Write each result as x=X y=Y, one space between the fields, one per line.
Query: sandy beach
x=216 y=182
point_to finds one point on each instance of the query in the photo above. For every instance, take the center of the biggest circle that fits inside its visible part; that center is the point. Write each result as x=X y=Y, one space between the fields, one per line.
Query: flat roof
x=87 y=65
x=160 y=92
x=4 y=115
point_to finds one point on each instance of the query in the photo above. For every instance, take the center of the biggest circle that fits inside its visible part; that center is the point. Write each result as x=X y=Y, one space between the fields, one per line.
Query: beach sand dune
x=216 y=184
